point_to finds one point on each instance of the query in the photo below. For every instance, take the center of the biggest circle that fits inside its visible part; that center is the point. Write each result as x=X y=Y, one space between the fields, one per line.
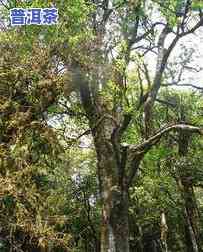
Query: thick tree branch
x=162 y=58
x=126 y=121
x=151 y=141
x=167 y=103
x=136 y=152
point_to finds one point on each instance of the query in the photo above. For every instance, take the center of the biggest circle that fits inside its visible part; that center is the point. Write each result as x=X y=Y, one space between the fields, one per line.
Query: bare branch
x=143 y=36
x=162 y=60
x=183 y=85
x=192 y=30
x=68 y=111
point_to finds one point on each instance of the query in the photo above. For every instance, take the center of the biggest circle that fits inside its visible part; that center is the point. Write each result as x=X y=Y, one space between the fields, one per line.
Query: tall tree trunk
x=105 y=128
x=114 y=232
x=114 y=191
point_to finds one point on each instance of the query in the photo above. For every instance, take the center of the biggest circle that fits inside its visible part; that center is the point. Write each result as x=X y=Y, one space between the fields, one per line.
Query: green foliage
x=49 y=189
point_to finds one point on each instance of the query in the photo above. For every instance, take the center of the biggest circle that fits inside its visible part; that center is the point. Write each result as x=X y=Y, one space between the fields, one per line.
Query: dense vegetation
x=98 y=150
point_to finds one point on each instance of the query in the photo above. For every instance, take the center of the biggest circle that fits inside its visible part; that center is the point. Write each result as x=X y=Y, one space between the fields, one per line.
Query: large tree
x=93 y=46
x=110 y=115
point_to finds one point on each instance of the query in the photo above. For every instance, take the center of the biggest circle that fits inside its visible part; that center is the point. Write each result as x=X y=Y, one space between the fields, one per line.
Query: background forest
x=101 y=124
